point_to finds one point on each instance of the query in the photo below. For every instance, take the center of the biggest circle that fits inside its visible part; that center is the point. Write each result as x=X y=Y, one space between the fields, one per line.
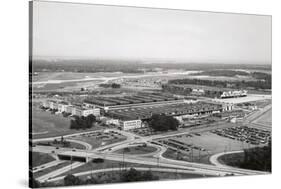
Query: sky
x=65 y=30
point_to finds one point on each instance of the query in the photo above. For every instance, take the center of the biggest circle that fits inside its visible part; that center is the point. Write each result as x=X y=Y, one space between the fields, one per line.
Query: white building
x=53 y=104
x=68 y=109
x=109 y=121
x=233 y=94
x=130 y=124
x=81 y=111
x=62 y=106
x=46 y=104
x=227 y=107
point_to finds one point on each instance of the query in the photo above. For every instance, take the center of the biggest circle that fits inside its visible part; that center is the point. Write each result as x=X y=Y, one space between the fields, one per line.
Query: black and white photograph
x=122 y=94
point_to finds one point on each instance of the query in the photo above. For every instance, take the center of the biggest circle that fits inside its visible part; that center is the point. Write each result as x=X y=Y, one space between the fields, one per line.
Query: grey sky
x=91 y=31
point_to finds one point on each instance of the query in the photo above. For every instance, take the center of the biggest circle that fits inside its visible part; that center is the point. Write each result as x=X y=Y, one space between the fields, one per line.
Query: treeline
x=128 y=66
x=110 y=85
x=264 y=83
x=131 y=175
x=226 y=73
x=86 y=66
x=161 y=122
x=82 y=122
x=258 y=158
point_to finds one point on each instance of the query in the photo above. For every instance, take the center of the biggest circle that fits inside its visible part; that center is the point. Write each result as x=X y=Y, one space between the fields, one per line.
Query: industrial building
x=206 y=91
x=140 y=99
x=135 y=113
x=74 y=109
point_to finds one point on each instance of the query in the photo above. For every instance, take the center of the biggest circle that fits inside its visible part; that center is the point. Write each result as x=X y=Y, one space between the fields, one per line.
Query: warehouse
x=140 y=98
x=145 y=112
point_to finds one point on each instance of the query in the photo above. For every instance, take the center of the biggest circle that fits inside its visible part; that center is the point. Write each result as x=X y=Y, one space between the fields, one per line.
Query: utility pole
x=158 y=159
x=191 y=154
x=71 y=164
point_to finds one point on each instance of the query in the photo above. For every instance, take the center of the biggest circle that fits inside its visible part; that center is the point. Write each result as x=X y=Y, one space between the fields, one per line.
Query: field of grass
x=71 y=145
x=106 y=164
x=50 y=125
x=137 y=150
x=231 y=159
x=114 y=177
x=50 y=169
x=45 y=76
x=265 y=119
x=40 y=158
x=97 y=142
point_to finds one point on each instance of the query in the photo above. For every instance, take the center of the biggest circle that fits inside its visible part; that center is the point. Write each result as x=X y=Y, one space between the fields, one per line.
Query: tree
x=82 y=122
x=161 y=122
x=34 y=183
x=133 y=175
x=71 y=180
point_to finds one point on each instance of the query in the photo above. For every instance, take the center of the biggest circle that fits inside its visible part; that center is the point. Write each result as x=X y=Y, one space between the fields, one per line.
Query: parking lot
x=198 y=147
x=245 y=134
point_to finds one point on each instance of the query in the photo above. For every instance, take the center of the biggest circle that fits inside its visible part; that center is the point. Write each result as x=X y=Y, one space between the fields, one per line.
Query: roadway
x=152 y=159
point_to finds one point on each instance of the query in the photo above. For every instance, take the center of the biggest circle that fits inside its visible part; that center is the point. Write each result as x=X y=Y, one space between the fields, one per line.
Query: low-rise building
x=62 y=106
x=46 y=104
x=68 y=109
x=227 y=107
x=109 y=121
x=53 y=104
x=130 y=124
x=81 y=111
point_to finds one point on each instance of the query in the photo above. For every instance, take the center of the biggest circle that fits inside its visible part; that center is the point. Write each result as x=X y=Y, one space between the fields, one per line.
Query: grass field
x=265 y=119
x=106 y=164
x=60 y=145
x=45 y=76
x=231 y=159
x=51 y=169
x=97 y=142
x=45 y=124
x=40 y=158
x=137 y=150
x=114 y=177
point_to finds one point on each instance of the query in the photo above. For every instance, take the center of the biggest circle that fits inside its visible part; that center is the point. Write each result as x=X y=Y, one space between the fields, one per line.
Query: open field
x=51 y=169
x=45 y=124
x=57 y=76
x=100 y=140
x=45 y=121
x=210 y=142
x=66 y=85
x=231 y=159
x=40 y=158
x=106 y=164
x=114 y=176
x=137 y=150
x=60 y=145
x=265 y=119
